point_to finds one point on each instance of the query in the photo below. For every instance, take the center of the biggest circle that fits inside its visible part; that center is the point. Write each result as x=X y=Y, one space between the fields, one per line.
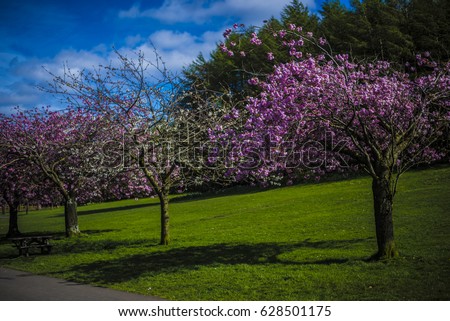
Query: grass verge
x=306 y=242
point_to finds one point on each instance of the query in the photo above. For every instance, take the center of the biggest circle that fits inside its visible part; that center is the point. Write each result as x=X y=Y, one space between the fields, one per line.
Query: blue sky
x=82 y=33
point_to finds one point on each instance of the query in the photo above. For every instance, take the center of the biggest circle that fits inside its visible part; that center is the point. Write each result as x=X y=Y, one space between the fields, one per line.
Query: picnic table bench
x=24 y=243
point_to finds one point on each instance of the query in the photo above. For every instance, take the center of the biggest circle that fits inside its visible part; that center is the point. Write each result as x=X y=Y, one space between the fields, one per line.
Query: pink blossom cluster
x=373 y=113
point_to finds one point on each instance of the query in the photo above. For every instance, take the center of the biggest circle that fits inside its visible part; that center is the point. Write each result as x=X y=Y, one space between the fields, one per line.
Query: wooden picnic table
x=24 y=243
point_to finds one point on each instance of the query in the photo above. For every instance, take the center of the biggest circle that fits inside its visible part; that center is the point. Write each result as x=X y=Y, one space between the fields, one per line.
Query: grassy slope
x=296 y=243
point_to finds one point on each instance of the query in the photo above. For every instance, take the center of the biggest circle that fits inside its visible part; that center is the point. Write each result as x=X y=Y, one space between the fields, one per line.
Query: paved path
x=24 y=286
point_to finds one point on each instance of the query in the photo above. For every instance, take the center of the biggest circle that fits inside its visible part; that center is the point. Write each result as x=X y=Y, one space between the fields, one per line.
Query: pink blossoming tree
x=64 y=146
x=15 y=188
x=144 y=101
x=388 y=120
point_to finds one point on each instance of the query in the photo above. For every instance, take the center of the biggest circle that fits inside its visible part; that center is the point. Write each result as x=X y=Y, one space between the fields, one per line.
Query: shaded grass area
x=307 y=242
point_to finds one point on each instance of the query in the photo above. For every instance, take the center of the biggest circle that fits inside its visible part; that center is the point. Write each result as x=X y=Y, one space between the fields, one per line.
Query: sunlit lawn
x=306 y=242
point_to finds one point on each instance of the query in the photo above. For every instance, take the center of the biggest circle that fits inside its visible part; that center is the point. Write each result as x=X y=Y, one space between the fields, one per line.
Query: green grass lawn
x=306 y=242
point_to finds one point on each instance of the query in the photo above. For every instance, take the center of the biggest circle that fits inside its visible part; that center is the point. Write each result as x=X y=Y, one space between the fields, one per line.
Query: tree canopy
x=393 y=30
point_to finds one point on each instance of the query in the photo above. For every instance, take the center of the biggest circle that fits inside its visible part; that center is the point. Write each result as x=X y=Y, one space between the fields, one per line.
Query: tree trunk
x=382 y=201
x=71 y=218
x=164 y=202
x=13 y=229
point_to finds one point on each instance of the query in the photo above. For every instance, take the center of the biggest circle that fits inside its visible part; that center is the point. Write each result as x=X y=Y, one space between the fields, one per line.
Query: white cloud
x=37 y=70
x=133 y=12
x=168 y=39
x=20 y=82
x=132 y=41
x=79 y=58
x=19 y=76
x=22 y=78
x=18 y=94
x=199 y=11
x=179 y=49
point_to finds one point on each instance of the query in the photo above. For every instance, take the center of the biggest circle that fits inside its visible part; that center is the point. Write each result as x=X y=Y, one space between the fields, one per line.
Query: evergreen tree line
x=392 y=30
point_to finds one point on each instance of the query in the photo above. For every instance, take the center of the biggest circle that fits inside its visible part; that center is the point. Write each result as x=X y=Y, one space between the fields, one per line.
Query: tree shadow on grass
x=72 y=245
x=192 y=258
x=115 y=209
x=82 y=212
x=57 y=235
x=220 y=191
x=230 y=191
x=85 y=245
